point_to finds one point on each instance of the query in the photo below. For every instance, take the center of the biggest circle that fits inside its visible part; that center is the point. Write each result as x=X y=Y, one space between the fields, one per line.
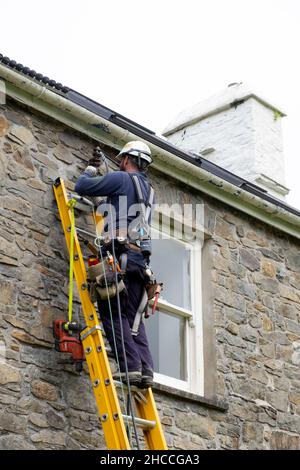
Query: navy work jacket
x=113 y=185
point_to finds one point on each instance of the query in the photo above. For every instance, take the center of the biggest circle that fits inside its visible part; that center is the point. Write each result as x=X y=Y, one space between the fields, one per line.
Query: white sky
x=150 y=59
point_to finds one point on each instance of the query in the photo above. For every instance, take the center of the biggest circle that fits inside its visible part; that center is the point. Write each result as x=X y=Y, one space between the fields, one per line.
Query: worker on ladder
x=128 y=237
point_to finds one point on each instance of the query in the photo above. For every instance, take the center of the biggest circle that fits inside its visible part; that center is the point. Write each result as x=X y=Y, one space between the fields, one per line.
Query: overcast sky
x=149 y=60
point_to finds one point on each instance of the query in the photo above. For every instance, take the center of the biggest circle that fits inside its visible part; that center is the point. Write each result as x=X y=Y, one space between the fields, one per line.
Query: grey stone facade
x=251 y=312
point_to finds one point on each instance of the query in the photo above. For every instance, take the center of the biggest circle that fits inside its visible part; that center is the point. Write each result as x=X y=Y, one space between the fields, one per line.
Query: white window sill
x=171 y=308
x=171 y=382
x=214 y=403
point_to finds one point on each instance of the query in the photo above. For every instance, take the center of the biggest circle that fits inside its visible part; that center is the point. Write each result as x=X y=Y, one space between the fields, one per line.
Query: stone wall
x=254 y=284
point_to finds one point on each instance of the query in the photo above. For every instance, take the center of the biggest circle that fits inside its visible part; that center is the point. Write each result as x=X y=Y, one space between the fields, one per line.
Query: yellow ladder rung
x=142 y=423
x=138 y=392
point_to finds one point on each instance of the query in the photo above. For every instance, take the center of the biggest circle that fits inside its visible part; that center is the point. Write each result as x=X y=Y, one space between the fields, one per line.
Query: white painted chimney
x=238 y=130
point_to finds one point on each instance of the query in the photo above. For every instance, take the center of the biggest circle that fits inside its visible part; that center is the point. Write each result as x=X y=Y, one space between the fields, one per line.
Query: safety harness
x=142 y=308
x=152 y=288
x=143 y=230
x=101 y=273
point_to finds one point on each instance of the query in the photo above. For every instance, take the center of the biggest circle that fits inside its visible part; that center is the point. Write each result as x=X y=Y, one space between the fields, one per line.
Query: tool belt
x=102 y=283
x=122 y=244
x=102 y=280
x=134 y=247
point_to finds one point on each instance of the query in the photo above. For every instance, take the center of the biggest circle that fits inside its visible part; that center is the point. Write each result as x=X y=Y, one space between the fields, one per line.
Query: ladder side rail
x=154 y=437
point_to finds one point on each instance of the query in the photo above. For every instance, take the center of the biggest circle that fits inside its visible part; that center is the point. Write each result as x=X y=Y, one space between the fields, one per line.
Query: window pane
x=170 y=262
x=166 y=335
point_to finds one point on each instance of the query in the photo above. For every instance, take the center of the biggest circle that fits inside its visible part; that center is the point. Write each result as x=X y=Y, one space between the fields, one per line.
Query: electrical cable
x=99 y=246
x=123 y=346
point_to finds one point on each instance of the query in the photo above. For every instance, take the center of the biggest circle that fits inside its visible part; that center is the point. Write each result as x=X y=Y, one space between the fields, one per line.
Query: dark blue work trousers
x=137 y=350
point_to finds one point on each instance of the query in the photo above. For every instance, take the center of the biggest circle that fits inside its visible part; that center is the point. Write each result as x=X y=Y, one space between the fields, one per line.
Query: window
x=175 y=330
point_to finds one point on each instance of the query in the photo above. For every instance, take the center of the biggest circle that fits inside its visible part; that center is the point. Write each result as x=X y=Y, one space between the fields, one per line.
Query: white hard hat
x=136 y=148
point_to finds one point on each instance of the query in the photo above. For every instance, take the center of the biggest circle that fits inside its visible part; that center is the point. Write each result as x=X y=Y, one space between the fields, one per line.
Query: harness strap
x=149 y=203
x=145 y=204
x=123 y=262
x=139 y=314
x=138 y=188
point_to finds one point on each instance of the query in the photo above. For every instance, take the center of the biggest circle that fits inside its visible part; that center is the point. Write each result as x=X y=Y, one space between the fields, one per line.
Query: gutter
x=56 y=105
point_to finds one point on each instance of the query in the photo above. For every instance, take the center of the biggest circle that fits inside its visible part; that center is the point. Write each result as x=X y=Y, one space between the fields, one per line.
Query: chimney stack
x=238 y=130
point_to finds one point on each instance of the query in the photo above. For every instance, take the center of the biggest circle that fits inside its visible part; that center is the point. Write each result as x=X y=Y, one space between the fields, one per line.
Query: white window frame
x=194 y=323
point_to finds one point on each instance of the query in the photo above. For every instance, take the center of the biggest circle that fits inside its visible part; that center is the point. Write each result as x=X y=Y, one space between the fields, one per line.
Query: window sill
x=215 y=403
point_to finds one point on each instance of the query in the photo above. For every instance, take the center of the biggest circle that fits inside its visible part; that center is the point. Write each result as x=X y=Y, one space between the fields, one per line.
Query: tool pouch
x=102 y=281
x=111 y=290
x=151 y=285
x=153 y=289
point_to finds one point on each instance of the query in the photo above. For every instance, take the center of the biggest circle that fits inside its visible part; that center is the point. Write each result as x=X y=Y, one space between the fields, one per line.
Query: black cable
x=123 y=344
x=128 y=413
x=123 y=348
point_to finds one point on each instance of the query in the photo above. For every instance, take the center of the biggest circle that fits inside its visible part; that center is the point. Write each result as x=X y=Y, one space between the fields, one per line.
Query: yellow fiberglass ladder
x=113 y=422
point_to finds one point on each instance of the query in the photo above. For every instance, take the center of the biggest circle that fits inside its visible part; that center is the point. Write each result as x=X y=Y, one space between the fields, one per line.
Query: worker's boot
x=147 y=381
x=135 y=377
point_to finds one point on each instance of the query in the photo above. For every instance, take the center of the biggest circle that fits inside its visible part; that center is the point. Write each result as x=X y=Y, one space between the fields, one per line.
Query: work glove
x=94 y=163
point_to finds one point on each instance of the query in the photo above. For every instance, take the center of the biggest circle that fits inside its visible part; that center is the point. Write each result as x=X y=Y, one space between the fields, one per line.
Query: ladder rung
x=138 y=392
x=143 y=423
x=90 y=234
x=81 y=199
